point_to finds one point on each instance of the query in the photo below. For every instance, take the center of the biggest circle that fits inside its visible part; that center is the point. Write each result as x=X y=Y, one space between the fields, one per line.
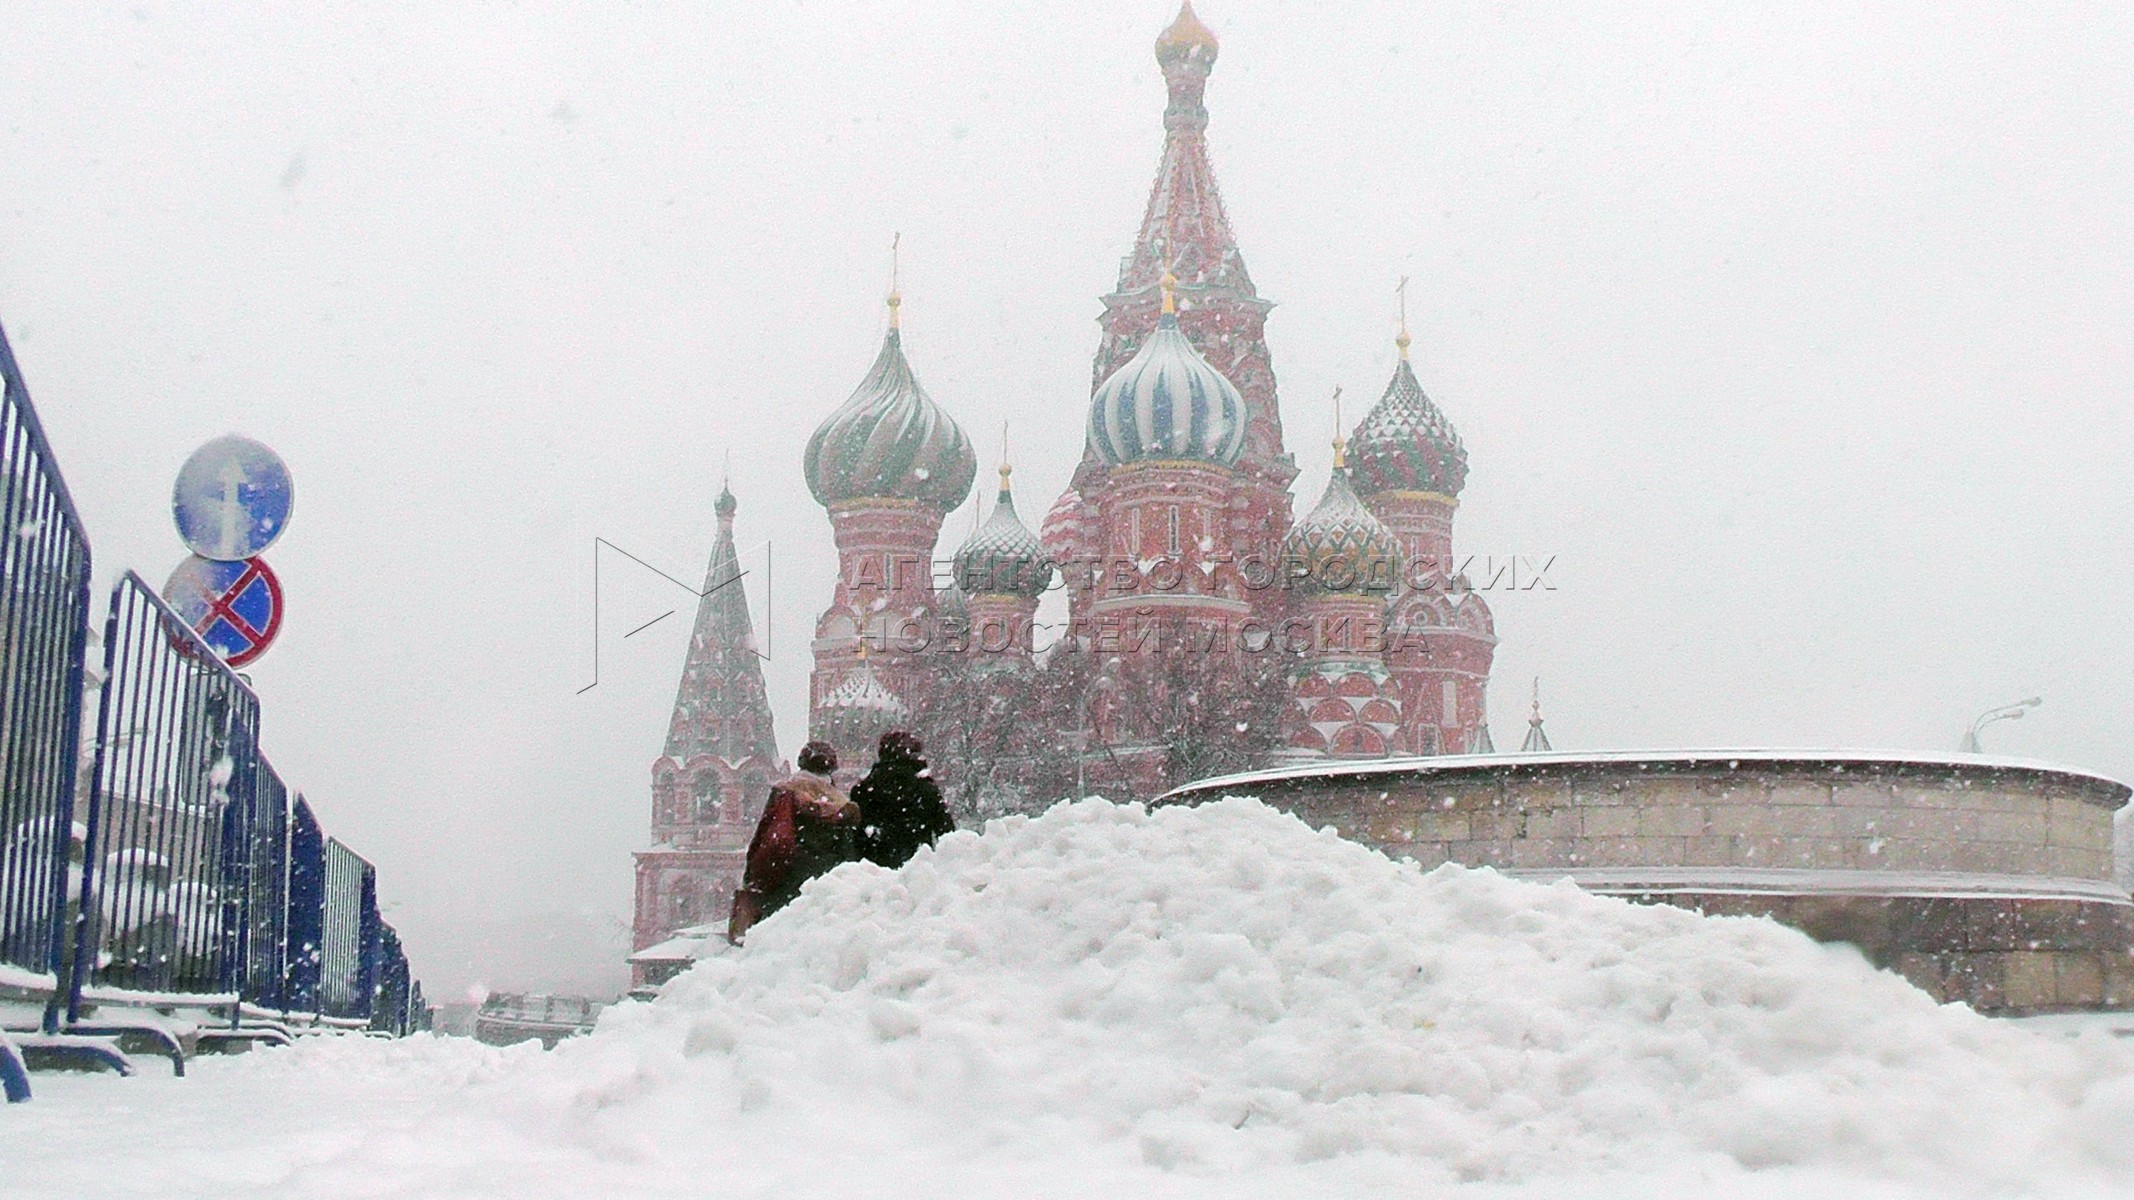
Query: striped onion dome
x=1069 y=533
x=1167 y=403
x=1003 y=558
x=890 y=440
x=1405 y=444
x=1344 y=547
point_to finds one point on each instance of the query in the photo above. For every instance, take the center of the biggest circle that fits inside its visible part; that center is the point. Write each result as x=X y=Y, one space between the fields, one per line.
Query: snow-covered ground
x=1210 y=1002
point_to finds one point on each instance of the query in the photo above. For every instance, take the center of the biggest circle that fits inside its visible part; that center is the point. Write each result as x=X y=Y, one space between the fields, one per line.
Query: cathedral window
x=707 y=797
x=1450 y=715
x=1171 y=535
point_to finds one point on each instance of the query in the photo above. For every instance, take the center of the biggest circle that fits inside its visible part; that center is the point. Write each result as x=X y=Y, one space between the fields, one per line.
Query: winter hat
x=818 y=758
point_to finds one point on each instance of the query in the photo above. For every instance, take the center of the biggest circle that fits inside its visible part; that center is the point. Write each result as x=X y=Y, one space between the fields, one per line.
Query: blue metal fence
x=304 y=940
x=174 y=872
x=44 y=627
x=175 y=730
x=390 y=1012
x=266 y=918
x=349 y=934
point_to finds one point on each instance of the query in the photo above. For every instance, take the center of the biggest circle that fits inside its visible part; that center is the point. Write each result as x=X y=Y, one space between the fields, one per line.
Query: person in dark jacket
x=900 y=808
x=808 y=827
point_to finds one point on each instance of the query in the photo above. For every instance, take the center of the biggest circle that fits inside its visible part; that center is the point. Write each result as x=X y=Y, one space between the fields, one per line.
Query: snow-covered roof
x=687 y=945
x=1807 y=881
x=1835 y=759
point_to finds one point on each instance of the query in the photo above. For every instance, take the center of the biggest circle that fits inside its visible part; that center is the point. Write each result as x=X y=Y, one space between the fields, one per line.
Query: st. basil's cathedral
x=1175 y=533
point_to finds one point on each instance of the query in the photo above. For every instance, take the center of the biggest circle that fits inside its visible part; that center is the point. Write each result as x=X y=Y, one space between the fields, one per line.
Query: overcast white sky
x=1800 y=333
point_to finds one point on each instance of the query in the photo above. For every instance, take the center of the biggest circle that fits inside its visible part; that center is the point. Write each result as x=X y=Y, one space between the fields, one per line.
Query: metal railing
x=44 y=628
x=171 y=869
x=165 y=852
x=349 y=934
x=304 y=934
x=266 y=893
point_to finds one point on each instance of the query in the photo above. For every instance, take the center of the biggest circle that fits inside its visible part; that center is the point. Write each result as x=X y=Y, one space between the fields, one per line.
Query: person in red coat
x=808 y=827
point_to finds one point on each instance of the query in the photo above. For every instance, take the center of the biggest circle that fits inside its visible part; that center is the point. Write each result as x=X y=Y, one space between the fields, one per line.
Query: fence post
x=86 y=932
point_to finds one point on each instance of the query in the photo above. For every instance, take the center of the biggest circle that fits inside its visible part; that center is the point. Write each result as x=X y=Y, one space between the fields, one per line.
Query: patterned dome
x=860 y=709
x=1003 y=558
x=890 y=440
x=1070 y=529
x=1405 y=444
x=1346 y=549
x=1167 y=403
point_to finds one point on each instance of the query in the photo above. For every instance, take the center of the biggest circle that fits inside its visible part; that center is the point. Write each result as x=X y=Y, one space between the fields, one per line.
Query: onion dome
x=1167 y=403
x=860 y=709
x=1405 y=444
x=1344 y=548
x=1186 y=37
x=890 y=440
x=1003 y=558
x=951 y=601
x=1069 y=533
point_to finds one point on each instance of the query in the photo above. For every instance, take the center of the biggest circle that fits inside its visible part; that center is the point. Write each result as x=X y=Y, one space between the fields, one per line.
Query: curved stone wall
x=1988 y=881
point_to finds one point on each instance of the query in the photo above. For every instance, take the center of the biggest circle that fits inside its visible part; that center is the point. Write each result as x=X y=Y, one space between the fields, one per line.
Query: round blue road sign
x=233 y=498
x=235 y=607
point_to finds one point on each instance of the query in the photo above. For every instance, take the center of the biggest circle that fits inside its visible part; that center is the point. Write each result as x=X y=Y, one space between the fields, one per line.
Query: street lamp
x=2006 y=712
x=1102 y=681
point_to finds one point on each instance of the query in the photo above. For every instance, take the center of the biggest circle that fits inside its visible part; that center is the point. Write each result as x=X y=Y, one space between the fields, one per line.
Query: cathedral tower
x=709 y=784
x=1346 y=704
x=1409 y=467
x=1186 y=234
x=889 y=464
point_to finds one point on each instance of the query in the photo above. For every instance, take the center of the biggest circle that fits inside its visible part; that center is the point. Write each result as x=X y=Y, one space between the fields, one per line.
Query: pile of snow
x=1221 y=988
x=1220 y=1001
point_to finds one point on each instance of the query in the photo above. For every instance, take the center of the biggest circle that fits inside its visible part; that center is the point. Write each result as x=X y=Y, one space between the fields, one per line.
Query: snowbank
x=1216 y=1001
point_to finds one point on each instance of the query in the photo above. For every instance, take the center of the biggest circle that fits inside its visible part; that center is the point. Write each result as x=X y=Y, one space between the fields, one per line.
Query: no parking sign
x=235 y=607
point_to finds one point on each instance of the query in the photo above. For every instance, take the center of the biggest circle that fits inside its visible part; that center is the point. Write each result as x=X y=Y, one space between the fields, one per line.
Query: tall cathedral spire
x=1186 y=234
x=720 y=708
x=1185 y=227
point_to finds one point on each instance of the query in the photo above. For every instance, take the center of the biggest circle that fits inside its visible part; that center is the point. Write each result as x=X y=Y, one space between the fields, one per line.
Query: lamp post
x=1100 y=681
x=2006 y=712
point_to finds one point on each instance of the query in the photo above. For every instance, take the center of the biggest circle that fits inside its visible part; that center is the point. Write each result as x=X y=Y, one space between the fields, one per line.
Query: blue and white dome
x=1167 y=404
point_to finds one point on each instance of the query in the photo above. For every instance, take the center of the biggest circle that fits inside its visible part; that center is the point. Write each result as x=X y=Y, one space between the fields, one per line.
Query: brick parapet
x=1982 y=881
